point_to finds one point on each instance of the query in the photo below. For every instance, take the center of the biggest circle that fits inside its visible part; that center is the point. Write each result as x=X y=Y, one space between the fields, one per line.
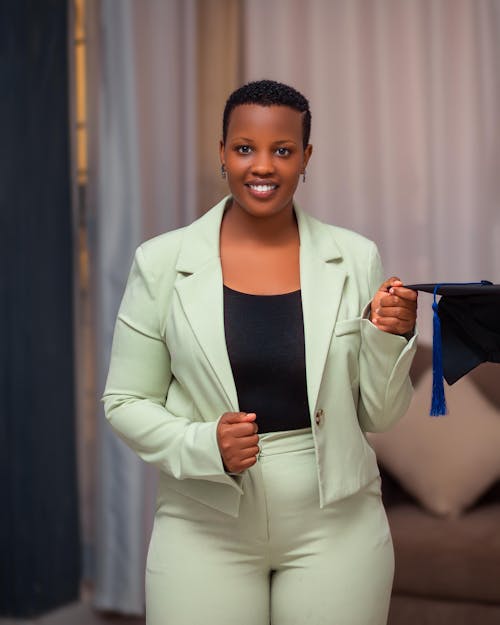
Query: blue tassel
x=438 y=404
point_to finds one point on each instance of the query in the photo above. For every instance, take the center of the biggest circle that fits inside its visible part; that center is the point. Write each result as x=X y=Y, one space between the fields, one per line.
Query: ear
x=307 y=154
x=221 y=151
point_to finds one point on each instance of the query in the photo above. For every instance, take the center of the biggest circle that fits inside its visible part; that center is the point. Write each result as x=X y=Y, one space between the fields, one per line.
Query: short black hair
x=269 y=93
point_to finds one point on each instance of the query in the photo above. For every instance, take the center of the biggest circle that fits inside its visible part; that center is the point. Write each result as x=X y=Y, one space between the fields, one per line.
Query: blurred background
x=112 y=113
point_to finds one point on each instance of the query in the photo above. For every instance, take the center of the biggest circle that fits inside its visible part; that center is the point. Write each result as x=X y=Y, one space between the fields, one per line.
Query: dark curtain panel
x=39 y=540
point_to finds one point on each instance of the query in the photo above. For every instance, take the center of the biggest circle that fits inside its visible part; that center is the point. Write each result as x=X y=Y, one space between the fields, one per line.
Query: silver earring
x=223 y=171
x=304 y=176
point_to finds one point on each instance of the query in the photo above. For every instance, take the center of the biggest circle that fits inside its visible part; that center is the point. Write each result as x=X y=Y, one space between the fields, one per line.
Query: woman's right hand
x=238 y=441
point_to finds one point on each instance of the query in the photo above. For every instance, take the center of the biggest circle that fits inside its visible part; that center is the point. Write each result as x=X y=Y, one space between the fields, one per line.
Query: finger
x=246 y=444
x=404 y=293
x=387 y=284
x=238 y=464
x=253 y=427
x=394 y=326
x=397 y=312
x=397 y=302
x=237 y=417
x=231 y=417
x=237 y=451
x=248 y=452
x=247 y=463
x=243 y=430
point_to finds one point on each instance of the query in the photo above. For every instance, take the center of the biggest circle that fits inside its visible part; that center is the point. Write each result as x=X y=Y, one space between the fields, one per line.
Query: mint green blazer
x=170 y=378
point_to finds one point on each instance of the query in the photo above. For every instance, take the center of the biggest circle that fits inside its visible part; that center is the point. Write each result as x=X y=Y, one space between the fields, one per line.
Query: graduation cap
x=466 y=332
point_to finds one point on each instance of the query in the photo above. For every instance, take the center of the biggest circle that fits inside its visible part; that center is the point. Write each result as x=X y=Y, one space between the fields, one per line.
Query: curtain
x=39 y=516
x=153 y=111
x=405 y=98
x=146 y=184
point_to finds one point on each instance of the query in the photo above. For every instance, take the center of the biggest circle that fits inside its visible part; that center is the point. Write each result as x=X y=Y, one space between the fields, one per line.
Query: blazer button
x=319 y=416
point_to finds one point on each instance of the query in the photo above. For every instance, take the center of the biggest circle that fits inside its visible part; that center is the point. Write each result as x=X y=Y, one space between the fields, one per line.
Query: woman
x=247 y=364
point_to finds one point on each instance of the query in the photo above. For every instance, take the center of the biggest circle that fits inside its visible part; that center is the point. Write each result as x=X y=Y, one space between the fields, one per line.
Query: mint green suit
x=170 y=377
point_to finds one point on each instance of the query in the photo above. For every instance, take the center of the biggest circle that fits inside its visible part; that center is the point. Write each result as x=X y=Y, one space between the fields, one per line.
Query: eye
x=283 y=152
x=243 y=149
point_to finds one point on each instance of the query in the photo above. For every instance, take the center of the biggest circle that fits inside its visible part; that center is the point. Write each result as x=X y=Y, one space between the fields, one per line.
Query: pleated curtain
x=405 y=99
x=150 y=128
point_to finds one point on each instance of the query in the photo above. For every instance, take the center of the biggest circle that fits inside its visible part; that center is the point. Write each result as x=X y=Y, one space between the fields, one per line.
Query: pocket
x=348 y=326
x=344 y=351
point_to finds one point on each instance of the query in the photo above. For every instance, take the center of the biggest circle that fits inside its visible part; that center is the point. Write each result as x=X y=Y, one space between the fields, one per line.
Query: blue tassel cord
x=438 y=403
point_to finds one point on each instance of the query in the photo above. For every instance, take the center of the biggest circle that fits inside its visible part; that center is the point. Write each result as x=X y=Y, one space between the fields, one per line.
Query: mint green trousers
x=283 y=561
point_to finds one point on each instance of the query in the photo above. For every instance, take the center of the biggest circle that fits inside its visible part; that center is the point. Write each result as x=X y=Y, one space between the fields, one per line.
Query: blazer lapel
x=322 y=283
x=202 y=297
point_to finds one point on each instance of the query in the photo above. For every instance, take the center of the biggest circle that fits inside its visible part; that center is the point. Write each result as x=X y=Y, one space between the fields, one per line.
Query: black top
x=265 y=343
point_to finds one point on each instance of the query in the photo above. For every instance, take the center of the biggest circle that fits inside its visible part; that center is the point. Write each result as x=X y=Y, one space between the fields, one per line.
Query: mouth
x=262 y=190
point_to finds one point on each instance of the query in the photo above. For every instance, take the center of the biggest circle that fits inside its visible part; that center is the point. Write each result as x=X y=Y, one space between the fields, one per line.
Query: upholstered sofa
x=441 y=488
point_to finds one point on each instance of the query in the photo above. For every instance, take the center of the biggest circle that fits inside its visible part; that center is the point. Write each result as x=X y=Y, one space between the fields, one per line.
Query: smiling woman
x=264 y=156
x=252 y=351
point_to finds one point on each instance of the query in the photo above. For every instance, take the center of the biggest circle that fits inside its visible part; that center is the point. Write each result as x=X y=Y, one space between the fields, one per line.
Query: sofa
x=441 y=489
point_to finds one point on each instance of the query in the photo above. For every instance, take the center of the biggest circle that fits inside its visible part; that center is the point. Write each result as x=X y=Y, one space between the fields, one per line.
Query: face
x=264 y=157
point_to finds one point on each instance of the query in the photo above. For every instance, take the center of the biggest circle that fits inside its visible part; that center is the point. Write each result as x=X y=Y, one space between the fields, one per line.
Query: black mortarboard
x=466 y=332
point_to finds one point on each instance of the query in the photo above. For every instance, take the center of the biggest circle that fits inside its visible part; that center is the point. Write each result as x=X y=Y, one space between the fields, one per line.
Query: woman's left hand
x=394 y=308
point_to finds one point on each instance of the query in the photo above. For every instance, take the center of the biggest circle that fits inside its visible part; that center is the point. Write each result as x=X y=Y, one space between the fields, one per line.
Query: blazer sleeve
x=384 y=364
x=137 y=384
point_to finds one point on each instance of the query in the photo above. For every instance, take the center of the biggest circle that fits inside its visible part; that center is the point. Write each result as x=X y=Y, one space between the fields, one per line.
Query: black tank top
x=265 y=344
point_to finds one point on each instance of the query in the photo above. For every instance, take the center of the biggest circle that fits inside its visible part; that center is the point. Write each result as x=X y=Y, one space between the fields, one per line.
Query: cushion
x=447 y=558
x=444 y=462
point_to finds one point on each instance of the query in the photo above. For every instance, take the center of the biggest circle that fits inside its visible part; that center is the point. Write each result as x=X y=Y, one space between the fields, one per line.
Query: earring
x=223 y=171
x=304 y=176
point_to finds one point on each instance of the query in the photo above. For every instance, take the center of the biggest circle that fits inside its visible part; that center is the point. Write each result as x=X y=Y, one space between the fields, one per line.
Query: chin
x=262 y=208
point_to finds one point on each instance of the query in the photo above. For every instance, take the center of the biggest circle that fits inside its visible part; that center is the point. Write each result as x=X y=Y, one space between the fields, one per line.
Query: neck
x=273 y=229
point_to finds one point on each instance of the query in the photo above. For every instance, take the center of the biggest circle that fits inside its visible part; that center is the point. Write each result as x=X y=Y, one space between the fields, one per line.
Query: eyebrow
x=247 y=140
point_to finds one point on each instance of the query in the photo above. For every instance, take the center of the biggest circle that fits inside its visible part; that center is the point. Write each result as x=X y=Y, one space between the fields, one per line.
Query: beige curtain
x=159 y=72
x=405 y=98
x=219 y=63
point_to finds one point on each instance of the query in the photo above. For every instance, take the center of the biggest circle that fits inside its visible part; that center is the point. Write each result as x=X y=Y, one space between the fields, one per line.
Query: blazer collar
x=202 y=238
x=201 y=294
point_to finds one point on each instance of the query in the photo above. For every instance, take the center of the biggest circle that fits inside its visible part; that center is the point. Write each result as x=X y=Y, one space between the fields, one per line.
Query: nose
x=262 y=164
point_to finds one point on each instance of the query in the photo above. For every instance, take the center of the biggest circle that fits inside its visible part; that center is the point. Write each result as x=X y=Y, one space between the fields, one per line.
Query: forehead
x=275 y=121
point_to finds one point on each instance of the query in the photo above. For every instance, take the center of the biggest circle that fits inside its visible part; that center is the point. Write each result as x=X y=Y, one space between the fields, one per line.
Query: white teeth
x=262 y=188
